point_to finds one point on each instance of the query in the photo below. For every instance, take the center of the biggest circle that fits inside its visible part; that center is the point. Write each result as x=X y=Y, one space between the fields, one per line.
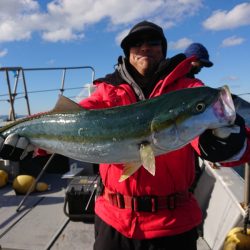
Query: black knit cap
x=144 y=27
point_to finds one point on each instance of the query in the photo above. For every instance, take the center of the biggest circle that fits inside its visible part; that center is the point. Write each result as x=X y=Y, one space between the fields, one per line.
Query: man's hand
x=15 y=148
x=225 y=132
x=223 y=143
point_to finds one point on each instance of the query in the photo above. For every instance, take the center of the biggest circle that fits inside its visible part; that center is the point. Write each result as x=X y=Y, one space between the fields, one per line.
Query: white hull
x=220 y=193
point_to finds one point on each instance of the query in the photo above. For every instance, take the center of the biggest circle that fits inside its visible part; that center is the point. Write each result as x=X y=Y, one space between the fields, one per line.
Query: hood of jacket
x=124 y=74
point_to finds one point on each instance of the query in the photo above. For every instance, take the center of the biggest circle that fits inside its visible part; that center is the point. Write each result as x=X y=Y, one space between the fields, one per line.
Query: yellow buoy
x=237 y=239
x=42 y=186
x=22 y=183
x=3 y=178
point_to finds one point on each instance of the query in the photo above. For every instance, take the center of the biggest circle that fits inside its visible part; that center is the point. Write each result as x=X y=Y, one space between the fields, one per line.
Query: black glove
x=216 y=149
x=15 y=148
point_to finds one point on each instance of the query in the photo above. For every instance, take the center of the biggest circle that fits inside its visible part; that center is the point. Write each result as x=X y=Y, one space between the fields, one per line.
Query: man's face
x=145 y=54
x=196 y=67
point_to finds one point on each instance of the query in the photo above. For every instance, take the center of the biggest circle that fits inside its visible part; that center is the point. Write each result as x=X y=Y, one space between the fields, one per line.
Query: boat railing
x=18 y=88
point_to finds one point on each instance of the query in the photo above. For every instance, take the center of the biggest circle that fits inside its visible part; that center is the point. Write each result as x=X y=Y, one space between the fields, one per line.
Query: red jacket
x=174 y=170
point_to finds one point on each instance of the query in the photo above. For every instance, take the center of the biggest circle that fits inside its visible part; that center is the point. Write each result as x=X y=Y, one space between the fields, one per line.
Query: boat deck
x=41 y=223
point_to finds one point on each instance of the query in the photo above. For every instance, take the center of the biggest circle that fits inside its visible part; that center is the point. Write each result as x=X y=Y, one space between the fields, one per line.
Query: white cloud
x=230 y=78
x=232 y=41
x=64 y=20
x=11 y=31
x=15 y=7
x=16 y=19
x=181 y=44
x=221 y=19
x=3 y=52
x=61 y=35
x=51 y=62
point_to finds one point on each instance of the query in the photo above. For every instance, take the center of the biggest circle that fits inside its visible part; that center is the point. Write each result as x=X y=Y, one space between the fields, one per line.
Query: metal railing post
x=63 y=82
x=26 y=92
x=11 y=100
x=247 y=184
x=246 y=196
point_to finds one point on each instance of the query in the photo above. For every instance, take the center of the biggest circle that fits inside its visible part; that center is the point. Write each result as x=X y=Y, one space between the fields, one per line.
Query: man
x=144 y=211
x=202 y=58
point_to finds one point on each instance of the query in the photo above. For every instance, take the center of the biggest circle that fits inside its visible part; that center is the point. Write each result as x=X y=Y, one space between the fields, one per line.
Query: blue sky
x=69 y=33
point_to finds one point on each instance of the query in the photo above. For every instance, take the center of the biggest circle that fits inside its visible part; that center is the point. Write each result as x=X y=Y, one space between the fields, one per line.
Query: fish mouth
x=224 y=108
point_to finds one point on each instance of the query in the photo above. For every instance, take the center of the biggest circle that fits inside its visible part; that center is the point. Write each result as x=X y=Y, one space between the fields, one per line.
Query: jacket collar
x=125 y=73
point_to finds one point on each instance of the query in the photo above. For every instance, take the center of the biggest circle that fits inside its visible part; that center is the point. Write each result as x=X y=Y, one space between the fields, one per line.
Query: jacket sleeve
x=108 y=95
x=95 y=100
x=245 y=157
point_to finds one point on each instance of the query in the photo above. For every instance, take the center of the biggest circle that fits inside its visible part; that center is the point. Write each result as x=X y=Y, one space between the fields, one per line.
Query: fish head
x=192 y=111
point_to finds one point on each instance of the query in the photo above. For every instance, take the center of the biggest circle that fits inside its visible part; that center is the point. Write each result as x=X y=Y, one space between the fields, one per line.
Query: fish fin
x=66 y=104
x=129 y=169
x=147 y=158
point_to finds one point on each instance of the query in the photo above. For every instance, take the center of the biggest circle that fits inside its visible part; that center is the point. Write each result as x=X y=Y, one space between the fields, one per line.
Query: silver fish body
x=114 y=135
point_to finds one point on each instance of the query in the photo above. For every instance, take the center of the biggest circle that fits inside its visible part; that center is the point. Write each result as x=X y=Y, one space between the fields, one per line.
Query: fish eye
x=200 y=107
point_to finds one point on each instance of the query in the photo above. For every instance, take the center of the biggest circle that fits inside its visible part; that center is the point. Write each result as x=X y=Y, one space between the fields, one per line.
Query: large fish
x=132 y=135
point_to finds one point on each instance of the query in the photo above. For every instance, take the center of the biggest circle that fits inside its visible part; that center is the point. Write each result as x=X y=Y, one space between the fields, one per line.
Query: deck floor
x=41 y=223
